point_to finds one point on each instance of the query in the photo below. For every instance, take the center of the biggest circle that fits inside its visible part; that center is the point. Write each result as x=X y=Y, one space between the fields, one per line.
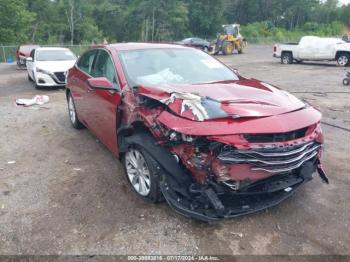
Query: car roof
x=29 y=45
x=142 y=46
x=52 y=48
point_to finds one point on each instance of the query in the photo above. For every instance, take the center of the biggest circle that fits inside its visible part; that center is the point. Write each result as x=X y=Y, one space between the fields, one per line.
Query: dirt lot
x=66 y=194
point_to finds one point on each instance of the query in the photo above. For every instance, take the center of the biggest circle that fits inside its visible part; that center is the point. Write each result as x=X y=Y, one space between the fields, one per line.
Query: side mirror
x=101 y=83
x=29 y=59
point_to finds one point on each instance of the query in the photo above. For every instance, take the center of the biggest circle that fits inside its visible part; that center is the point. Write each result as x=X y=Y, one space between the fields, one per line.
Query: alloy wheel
x=343 y=60
x=138 y=172
x=71 y=108
x=285 y=59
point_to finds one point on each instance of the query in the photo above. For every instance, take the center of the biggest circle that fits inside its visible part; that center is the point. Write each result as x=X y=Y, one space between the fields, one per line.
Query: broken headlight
x=178 y=137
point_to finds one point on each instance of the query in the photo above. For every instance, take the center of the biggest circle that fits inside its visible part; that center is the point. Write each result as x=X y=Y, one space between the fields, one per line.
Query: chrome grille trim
x=292 y=160
x=283 y=159
x=283 y=170
x=288 y=153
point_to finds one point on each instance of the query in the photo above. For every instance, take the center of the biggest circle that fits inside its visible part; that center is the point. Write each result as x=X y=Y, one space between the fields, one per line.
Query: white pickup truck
x=315 y=49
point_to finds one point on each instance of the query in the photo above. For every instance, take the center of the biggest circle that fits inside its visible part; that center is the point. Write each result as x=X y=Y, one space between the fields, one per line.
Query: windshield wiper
x=218 y=82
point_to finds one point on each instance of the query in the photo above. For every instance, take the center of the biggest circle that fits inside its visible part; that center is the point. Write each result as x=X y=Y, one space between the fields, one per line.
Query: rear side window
x=86 y=61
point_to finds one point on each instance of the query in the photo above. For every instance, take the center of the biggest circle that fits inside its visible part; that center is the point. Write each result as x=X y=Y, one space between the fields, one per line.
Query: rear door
x=78 y=84
x=103 y=104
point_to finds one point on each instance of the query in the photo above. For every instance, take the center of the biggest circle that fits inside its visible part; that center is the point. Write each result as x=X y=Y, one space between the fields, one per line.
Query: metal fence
x=8 y=53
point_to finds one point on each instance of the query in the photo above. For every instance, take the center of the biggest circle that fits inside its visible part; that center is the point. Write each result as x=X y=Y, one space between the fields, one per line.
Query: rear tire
x=343 y=59
x=346 y=81
x=287 y=58
x=73 y=116
x=143 y=174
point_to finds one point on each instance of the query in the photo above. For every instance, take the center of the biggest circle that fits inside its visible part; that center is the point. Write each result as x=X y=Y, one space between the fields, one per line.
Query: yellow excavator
x=229 y=40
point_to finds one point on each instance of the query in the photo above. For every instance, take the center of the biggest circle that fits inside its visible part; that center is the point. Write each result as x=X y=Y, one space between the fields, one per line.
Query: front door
x=103 y=104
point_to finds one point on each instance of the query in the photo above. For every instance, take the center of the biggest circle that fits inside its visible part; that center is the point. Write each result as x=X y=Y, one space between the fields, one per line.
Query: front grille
x=276 y=137
x=61 y=77
x=280 y=159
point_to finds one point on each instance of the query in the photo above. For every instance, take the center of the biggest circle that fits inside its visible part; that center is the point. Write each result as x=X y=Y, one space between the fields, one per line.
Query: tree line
x=84 y=21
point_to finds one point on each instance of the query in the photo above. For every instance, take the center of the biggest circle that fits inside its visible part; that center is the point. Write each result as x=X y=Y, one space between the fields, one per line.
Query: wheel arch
x=287 y=52
x=165 y=159
x=341 y=52
x=125 y=131
x=67 y=92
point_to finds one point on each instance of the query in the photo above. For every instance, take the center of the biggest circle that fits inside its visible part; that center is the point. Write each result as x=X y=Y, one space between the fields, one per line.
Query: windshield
x=27 y=48
x=54 y=55
x=173 y=66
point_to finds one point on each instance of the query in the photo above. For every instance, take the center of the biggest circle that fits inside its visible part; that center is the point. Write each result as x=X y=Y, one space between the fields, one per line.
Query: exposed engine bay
x=223 y=155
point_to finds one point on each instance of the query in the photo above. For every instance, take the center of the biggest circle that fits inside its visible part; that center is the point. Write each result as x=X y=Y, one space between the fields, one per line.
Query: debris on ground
x=237 y=234
x=77 y=169
x=36 y=100
x=11 y=162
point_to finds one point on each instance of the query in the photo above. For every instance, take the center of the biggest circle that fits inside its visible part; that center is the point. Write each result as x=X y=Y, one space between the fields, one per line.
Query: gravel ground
x=66 y=194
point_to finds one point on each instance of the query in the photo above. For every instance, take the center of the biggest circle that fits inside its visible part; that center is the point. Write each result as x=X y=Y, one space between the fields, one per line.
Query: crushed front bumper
x=213 y=202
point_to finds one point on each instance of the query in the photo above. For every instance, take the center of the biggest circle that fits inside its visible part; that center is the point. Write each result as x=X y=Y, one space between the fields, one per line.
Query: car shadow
x=319 y=64
x=50 y=88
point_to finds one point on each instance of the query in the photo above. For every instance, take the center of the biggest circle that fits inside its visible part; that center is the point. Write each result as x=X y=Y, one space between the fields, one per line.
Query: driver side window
x=104 y=67
x=85 y=63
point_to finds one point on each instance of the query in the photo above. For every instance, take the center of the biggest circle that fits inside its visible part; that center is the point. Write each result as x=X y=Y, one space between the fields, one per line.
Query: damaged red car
x=192 y=131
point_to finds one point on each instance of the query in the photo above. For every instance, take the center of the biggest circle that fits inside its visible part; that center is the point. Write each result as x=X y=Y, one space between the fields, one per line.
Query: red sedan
x=191 y=130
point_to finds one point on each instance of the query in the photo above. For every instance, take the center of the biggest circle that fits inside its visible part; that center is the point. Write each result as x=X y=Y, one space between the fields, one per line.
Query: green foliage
x=265 y=31
x=81 y=21
x=15 y=21
x=205 y=17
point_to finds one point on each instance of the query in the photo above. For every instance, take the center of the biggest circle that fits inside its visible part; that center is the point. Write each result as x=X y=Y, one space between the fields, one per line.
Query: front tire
x=73 y=116
x=29 y=78
x=287 y=58
x=227 y=48
x=143 y=174
x=346 y=81
x=343 y=60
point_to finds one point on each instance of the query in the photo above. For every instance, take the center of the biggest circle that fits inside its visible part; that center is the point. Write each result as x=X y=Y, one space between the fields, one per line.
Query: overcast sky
x=344 y=1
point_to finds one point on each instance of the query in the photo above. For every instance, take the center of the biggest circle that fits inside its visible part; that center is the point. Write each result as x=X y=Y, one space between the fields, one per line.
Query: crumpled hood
x=235 y=99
